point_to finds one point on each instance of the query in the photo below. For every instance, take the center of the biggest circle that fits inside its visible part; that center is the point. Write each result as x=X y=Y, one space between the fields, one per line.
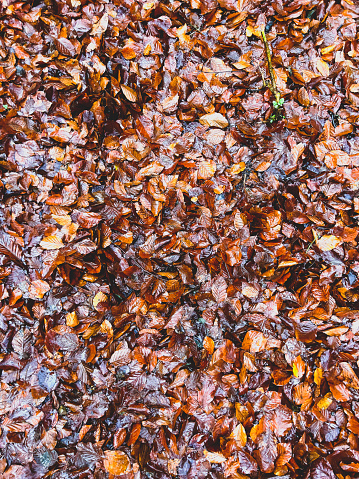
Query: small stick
x=273 y=86
x=278 y=102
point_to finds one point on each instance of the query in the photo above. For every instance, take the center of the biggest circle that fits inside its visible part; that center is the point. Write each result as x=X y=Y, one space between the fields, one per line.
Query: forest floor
x=179 y=293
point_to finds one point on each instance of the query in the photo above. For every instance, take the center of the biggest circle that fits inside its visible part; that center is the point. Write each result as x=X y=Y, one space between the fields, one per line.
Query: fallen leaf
x=214 y=119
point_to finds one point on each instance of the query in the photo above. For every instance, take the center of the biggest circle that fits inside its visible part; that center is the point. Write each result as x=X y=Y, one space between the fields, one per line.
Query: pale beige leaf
x=328 y=242
x=129 y=93
x=219 y=289
x=206 y=169
x=214 y=119
x=214 y=136
x=214 y=457
x=322 y=67
x=239 y=221
x=51 y=242
x=170 y=104
x=249 y=291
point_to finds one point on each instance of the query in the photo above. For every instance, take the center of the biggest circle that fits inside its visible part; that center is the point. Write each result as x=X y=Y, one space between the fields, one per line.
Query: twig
x=272 y=85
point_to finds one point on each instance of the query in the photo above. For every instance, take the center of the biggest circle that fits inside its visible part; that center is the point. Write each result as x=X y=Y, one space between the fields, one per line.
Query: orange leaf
x=298 y=367
x=239 y=434
x=71 y=319
x=284 y=453
x=208 y=344
x=135 y=432
x=340 y=392
x=302 y=393
x=254 y=341
x=116 y=462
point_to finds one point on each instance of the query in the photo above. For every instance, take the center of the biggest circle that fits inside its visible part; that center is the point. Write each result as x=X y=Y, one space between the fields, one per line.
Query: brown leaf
x=219 y=289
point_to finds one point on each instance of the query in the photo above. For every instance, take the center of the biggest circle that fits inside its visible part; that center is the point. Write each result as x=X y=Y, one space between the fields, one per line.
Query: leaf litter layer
x=178 y=246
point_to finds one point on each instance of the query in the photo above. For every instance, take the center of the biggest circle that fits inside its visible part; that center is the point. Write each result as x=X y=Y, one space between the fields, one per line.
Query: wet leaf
x=116 y=462
x=214 y=119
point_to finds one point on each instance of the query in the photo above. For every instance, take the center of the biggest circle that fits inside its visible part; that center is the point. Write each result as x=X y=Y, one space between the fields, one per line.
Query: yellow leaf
x=318 y=376
x=328 y=242
x=100 y=297
x=324 y=403
x=147 y=50
x=336 y=331
x=71 y=319
x=237 y=168
x=326 y=50
x=239 y=434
